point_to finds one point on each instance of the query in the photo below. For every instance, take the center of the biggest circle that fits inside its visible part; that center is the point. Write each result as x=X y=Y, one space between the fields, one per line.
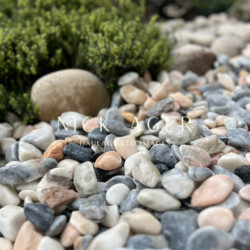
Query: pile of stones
x=167 y=166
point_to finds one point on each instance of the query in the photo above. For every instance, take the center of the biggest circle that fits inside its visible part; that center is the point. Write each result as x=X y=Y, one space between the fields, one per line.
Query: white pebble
x=117 y=193
x=8 y=196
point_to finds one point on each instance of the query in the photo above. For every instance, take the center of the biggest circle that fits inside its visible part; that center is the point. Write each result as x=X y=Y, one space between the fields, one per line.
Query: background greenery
x=108 y=37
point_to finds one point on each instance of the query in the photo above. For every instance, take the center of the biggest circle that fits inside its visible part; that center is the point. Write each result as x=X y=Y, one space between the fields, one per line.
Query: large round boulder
x=69 y=90
x=193 y=57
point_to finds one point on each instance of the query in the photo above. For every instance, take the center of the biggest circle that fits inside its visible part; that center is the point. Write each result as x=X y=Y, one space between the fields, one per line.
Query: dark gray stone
x=161 y=106
x=116 y=127
x=109 y=143
x=40 y=215
x=239 y=137
x=57 y=226
x=140 y=241
x=244 y=173
x=12 y=153
x=222 y=110
x=114 y=114
x=97 y=137
x=210 y=238
x=55 y=124
x=26 y=171
x=62 y=134
x=162 y=168
x=103 y=175
x=74 y=206
x=161 y=154
x=94 y=208
x=130 y=202
x=177 y=226
x=127 y=180
x=77 y=152
x=241 y=232
x=238 y=183
x=199 y=174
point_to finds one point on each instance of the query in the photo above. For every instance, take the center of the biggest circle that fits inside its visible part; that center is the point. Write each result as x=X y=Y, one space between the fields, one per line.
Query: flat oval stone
x=117 y=193
x=57 y=226
x=131 y=94
x=158 y=200
x=245 y=215
x=210 y=238
x=83 y=224
x=94 y=208
x=77 y=152
x=85 y=179
x=219 y=217
x=182 y=100
x=40 y=215
x=5 y=130
x=125 y=146
x=26 y=171
x=130 y=202
x=11 y=219
x=27 y=152
x=55 y=150
x=48 y=242
x=108 y=161
x=72 y=119
x=245 y=193
x=178 y=183
x=199 y=174
x=212 y=191
x=194 y=156
x=40 y=138
x=112 y=238
x=138 y=218
x=90 y=124
x=232 y=161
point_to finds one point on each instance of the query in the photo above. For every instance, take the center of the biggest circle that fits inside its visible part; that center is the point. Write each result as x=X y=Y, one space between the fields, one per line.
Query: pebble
x=109 y=143
x=158 y=200
x=47 y=243
x=129 y=117
x=210 y=123
x=211 y=144
x=240 y=233
x=138 y=130
x=231 y=124
x=177 y=236
x=77 y=152
x=231 y=161
x=55 y=150
x=239 y=138
x=108 y=161
x=185 y=185
x=194 y=156
x=245 y=193
x=195 y=113
x=116 y=127
x=57 y=226
x=85 y=179
x=125 y=146
x=219 y=217
x=28 y=152
x=11 y=219
x=91 y=124
x=69 y=235
x=97 y=136
x=78 y=139
x=26 y=171
x=112 y=218
x=130 y=202
x=40 y=215
x=131 y=108
x=189 y=78
x=145 y=172
x=28 y=186
x=28 y=238
x=128 y=78
x=56 y=196
x=210 y=238
x=245 y=215
x=140 y=241
x=199 y=174
x=178 y=133
x=9 y=196
x=12 y=152
x=131 y=94
x=127 y=180
x=238 y=183
x=244 y=173
x=82 y=243
x=160 y=107
x=5 y=130
x=226 y=81
x=94 y=208
x=161 y=154
x=117 y=193
x=83 y=224
x=5 y=143
x=28 y=193
x=6 y=244
x=40 y=138
x=111 y=239
x=212 y=191
x=72 y=120
x=220 y=120
x=138 y=218
x=63 y=134
x=182 y=100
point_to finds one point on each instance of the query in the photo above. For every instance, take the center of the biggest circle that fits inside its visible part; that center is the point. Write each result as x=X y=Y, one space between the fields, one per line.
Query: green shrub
x=107 y=37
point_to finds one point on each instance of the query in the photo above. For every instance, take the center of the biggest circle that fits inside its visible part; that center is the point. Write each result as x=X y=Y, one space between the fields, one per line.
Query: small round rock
x=117 y=193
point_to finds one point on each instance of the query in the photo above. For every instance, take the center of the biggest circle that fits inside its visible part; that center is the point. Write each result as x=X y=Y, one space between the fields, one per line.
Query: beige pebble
x=212 y=191
x=5 y=143
x=245 y=193
x=125 y=146
x=226 y=81
x=112 y=217
x=131 y=94
x=69 y=235
x=108 y=161
x=130 y=107
x=248 y=157
x=245 y=215
x=129 y=117
x=219 y=217
x=5 y=244
x=162 y=92
x=210 y=123
x=83 y=224
x=183 y=101
x=195 y=113
x=149 y=103
x=69 y=165
x=91 y=124
x=30 y=193
x=220 y=120
x=142 y=115
x=138 y=218
x=219 y=131
x=78 y=139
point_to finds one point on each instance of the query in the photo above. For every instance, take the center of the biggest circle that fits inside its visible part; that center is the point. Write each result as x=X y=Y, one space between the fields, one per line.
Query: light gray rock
x=73 y=119
x=5 y=130
x=128 y=78
x=28 y=152
x=199 y=174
